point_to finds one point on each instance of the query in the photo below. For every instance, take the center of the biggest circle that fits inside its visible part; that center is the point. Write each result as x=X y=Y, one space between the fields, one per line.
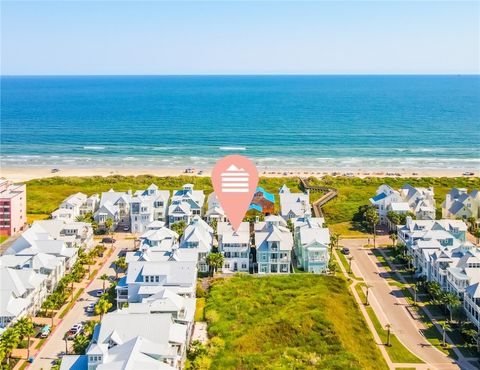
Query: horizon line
x=241 y=74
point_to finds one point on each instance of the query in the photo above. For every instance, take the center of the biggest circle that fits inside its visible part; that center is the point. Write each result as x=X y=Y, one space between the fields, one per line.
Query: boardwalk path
x=329 y=194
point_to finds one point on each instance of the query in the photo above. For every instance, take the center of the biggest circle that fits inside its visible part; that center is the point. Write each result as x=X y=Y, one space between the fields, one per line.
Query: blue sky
x=157 y=37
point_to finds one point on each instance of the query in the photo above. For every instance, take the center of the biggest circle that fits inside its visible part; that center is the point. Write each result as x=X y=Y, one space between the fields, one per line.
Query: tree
x=476 y=234
x=104 y=278
x=389 y=328
x=80 y=344
x=95 y=226
x=333 y=242
x=394 y=219
x=473 y=223
x=8 y=341
x=25 y=329
x=332 y=266
x=290 y=225
x=372 y=219
x=102 y=307
x=179 y=227
x=109 y=227
x=393 y=237
x=451 y=301
x=350 y=259
x=213 y=225
x=435 y=291
x=445 y=327
x=214 y=261
x=120 y=264
x=49 y=305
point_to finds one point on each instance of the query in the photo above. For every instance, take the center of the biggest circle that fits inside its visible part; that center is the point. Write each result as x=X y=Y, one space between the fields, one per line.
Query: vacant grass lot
x=300 y=321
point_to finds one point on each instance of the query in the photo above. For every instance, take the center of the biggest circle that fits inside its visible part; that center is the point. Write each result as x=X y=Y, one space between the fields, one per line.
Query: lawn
x=300 y=321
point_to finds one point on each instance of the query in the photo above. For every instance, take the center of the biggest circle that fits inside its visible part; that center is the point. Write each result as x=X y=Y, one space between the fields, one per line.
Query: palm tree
x=95 y=226
x=109 y=227
x=476 y=234
x=102 y=307
x=389 y=327
x=333 y=242
x=445 y=327
x=350 y=259
x=393 y=238
x=104 y=278
x=49 y=305
x=372 y=219
x=473 y=223
x=451 y=301
x=120 y=264
x=25 y=329
x=9 y=340
x=394 y=219
x=80 y=344
x=337 y=239
x=214 y=261
x=179 y=227
x=69 y=279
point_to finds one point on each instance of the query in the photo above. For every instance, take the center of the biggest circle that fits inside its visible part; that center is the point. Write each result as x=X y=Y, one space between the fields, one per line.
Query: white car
x=74 y=331
x=90 y=308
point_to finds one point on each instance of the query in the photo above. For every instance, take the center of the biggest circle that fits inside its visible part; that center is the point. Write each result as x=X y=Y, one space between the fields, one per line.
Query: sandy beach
x=29 y=173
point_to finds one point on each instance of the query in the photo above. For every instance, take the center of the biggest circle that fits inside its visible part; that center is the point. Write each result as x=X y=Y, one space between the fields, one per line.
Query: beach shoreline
x=19 y=174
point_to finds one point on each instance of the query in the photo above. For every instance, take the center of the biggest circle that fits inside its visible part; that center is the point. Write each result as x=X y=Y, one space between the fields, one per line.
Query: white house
x=293 y=205
x=121 y=203
x=107 y=211
x=312 y=243
x=125 y=340
x=146 y=278
x=91 y=205
x=51 y=266
x=186 y=203
x=235 y=246
x=198 y=235
x=22 y=292
x=383 y=199
x=63 y=214
x=166 y=300
x=274 y=244
x=158 y=237
x=460 y=204
x=54 y=237
x=73 y=203
x=420 y=200
x=215 y=210
x=147 y=206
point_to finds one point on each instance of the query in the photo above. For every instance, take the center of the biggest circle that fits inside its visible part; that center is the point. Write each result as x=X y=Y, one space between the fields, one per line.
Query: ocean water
x=322 y=122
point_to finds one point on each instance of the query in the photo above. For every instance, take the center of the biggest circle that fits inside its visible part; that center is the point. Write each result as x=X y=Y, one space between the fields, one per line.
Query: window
x=157 y=279
x=244 y=266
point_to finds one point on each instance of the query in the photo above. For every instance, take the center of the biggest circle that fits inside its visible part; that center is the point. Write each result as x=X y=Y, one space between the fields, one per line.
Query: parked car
x=45 y=332
x=108 y=240
x=126 y=228
x=99 y=293
x=346 y=251
x=90 y=308
x=74 y=331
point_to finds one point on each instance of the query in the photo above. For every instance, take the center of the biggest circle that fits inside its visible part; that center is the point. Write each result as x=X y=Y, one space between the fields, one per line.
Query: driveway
x=390 y=307
x=55 y=345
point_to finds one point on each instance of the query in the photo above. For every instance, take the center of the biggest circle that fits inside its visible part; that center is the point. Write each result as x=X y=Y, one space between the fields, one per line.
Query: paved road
x=56 y=345
x=387 y=299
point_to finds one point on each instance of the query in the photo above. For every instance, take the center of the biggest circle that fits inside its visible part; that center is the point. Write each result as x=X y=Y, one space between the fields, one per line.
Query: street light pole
x=388 y=335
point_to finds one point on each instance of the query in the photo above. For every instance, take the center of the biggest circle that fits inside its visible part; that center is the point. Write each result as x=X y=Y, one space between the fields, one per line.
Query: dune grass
x=300 y=321
x=44 y=195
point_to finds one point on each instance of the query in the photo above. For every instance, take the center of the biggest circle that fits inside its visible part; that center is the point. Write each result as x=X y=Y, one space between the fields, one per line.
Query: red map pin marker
x=235 y=179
